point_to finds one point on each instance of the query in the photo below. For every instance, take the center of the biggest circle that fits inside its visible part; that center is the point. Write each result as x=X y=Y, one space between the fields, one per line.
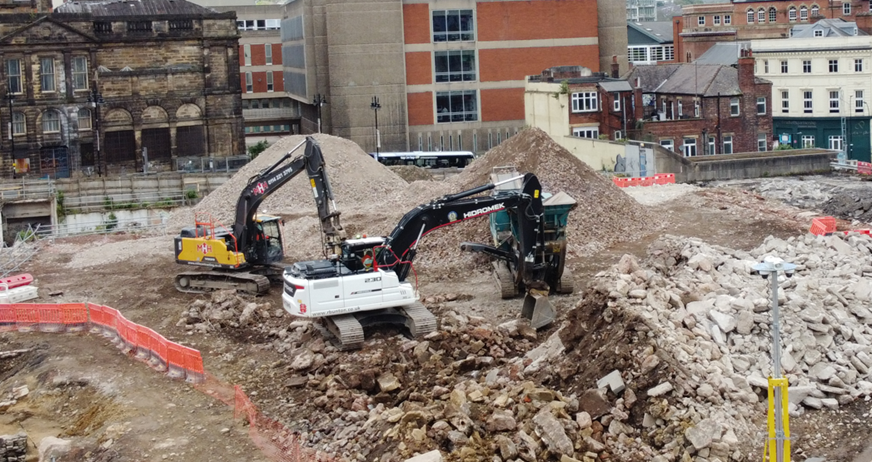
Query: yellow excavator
x=248 y=256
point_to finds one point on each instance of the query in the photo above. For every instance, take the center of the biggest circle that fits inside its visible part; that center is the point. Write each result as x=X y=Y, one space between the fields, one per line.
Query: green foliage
x=192 y=194
x=564 y=90
x=783 y=147
x=24 y=236
x=59 y=201
x=257 y=148
x=165 y=204
x=112 y=222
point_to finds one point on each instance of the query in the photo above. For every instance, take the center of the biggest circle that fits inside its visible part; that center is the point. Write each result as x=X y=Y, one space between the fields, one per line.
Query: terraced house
x=110 y=86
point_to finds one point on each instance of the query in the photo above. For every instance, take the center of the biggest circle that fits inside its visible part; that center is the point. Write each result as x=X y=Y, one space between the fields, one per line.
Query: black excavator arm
x=271 y=179
x=401 y=244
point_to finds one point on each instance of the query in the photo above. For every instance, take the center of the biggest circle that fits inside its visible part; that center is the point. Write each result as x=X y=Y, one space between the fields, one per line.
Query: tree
x=255 y=149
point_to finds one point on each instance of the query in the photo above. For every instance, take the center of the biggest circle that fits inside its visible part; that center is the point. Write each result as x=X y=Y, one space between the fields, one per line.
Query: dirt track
x=104 y=396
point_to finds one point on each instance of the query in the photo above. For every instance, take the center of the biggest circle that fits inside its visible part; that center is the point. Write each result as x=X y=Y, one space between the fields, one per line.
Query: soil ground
x=118 y=409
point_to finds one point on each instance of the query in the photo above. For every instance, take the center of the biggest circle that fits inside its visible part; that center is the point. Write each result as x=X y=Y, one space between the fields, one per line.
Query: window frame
x=448 y=56
x=784 y=66
x=859 y=101
x=580 y=132
x=246 y=54
x=616 y=101
x=835 y=101
x=815 y=10
x=465 y=113
x=712 y=146
x=846 y=8
x=762 y=142
x=700 y=20
x=807 y=141
x=19 y=80
x=735 y=107
x=773 y=15
x=689 y=144
x=668 y=144
x=79 y=78
x=267 y=54
x=728 y=20
x=761 y=16
x=53 y=123
x=87 y=113
x=716 y=20
x=803 y=13
x=584 y=101
x=249 y=83
x=727 y=144
x=831 y=144
x=19 y=123
x=858 y=64
x=807 y=101
x=47 y=79
x=806 y=66
x=461 y=35
x=791 y=14
x=785 y=101
x=761 y=104
x=750 y=16
x=270 y=84
x=834 y=66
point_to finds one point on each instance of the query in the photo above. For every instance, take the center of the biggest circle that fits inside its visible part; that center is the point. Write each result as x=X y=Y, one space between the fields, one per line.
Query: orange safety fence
x=145 y=344
x=823 y=226
x=661 y=179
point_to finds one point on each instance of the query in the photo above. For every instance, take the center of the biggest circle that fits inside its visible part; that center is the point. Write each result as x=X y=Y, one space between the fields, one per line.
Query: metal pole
x=12 y=136
x=776 y=361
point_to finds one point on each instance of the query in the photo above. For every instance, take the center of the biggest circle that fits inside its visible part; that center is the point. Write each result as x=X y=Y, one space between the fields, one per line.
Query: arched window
x=84 y=119
x=803 y=13
x=750 y=16
x=761 y=15
x=18 y=124
x=791 y=13
x=51 y=122
x=773 y=15
x=814 y=10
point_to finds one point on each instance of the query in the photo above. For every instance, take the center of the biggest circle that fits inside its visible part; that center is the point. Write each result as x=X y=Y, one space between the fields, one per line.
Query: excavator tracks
x=347 y=329
x=199 y=282
x=503 y=275
x=566 y=284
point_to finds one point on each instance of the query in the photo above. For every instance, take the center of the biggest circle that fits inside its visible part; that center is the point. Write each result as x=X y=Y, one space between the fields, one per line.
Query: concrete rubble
x=13 y=448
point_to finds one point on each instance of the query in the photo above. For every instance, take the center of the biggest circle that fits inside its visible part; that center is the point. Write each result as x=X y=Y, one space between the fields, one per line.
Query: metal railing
x=103 y=226
x=211 y=164
x=142 y=200
x=26 y=189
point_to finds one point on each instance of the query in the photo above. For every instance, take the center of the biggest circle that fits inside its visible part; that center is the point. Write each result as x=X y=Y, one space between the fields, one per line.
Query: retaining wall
x=744 y=165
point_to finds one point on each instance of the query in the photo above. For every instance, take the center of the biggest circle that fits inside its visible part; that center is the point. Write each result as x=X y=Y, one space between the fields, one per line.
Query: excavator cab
x=268 y=240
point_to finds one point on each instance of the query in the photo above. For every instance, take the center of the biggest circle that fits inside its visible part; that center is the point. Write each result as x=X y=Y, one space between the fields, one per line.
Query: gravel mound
x=412 y=173
x=850 y=205
x=605 y=214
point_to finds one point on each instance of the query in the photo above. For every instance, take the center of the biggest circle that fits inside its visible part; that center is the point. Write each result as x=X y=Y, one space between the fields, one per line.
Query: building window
x=455 y=66
x=18 y=123
x=180 y=24
x=668 y=144
x=680 y=110
x=711 y=145
x=47 y=75
x=807 y=141
x=846 y=7
x=750 y=16
x=791 y=13
x=765 y=66
x=728 y=20
x=700 y=20
x=728 y=144
x=453 y=26
x=246 y=52
x=785 y=101
x=638 y=54
x=51 y=122
x=84 y=119
x=806 y=66
x=761 y=105
x=618 y=135
x=858 y=101
x=784 y=67
x=734 y=106
x=249 y=86
x=696 y=109
x=858 y=65
x=267 y=53
x=689 y=147
x=269 y=81
x=814 y=10
x=585 y=102
x=761 y=142
x=773 y=15
x=80 y=73
x=138 y=26
x=592 y=133
x=834 y=101
x=457 y=106
x=818 y=33
x=806 y=101
x=761 y=15
x=834 y=65
x=803 y=13
x=102 y=27
x=716 y=20
x=13 y=76
x=616 y=104
x=836 y=142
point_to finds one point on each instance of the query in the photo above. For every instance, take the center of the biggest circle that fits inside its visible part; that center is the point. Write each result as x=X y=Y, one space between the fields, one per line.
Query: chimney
x=615 y=68
x=746 y=69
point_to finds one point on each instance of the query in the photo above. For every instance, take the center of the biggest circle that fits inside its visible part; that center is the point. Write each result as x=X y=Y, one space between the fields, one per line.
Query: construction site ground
x=118 y=409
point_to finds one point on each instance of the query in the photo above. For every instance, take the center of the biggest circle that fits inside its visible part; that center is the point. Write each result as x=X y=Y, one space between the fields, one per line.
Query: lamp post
x=375 y=107
x=11 y=129
x=319 y=101
x=779 y=430
x=96 y=100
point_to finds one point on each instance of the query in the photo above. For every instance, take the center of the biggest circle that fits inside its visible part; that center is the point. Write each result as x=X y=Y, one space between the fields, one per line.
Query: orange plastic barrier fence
x=16 y=281
x=145 y=344
x=823 y=226
x=867 y=232
x=665 y=178
x=864 y=168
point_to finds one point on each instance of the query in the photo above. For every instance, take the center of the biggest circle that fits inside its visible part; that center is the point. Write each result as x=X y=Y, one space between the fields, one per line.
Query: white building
x=822 y=86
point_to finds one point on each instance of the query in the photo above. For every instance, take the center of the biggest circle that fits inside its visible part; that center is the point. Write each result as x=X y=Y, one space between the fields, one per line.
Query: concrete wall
x=612 y=33
x=743 y=165
x=171 y=183
x=599 y=155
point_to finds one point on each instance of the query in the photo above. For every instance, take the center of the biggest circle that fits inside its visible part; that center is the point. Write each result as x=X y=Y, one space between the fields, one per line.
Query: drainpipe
x=718 y=126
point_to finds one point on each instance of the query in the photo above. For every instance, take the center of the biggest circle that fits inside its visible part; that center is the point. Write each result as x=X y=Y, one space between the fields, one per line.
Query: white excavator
x=351 y=293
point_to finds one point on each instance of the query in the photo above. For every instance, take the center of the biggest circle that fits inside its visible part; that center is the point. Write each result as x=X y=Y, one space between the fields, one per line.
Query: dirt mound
x=411 y=173
x=850 y=205
x=604 y=215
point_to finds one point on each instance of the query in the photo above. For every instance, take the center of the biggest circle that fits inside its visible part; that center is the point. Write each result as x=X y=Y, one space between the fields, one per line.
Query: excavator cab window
x=273 y=240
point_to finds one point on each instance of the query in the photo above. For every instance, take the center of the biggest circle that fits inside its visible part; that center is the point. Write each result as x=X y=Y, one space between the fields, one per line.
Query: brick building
x=446 y=78
x=700 y=26
x=104 y=86
x=702 y=109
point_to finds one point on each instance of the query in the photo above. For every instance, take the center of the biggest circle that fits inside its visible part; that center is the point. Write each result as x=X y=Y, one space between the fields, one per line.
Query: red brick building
x=703 y=109
x=701 y=26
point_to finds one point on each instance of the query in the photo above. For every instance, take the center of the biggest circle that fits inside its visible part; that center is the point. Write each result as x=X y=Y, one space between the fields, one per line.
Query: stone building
x=447 y=76
x=703 y=109
x=105 y=86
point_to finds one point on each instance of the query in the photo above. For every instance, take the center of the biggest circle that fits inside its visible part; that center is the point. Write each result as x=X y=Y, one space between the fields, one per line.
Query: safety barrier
x=823 y=226
x=661 y=179
x=16 y=281
x=864 y=168
x=146 y=345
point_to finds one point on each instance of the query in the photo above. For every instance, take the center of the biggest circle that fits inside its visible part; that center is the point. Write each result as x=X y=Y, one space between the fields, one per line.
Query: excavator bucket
x=538 y=309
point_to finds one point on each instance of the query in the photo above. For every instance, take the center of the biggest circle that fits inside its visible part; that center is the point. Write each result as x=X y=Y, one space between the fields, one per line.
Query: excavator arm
x=401 y=244
x=271 y=179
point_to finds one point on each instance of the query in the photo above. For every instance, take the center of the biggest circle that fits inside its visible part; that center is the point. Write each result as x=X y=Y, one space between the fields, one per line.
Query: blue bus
x=436 y=159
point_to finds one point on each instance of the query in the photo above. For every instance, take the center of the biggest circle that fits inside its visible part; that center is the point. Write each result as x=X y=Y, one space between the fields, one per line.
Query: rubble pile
x=226 y=309
x=850 y=205
x=796 y=192
x=412 y=173
x=605 y=214
x=13 y=448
